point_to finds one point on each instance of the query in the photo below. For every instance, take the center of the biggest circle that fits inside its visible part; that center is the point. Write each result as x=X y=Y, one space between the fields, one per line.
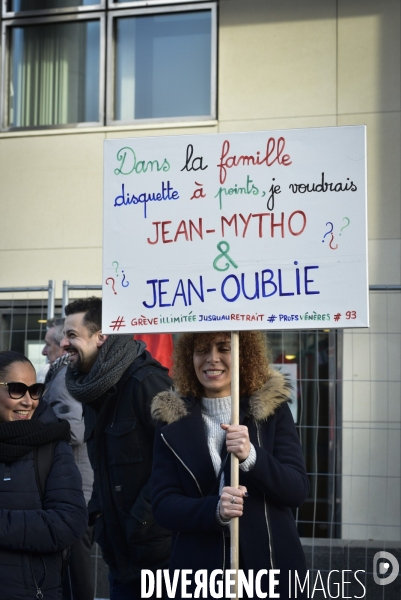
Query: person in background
x=78 y=584
x=37 y=522
x=116 y=378
x=192 y=494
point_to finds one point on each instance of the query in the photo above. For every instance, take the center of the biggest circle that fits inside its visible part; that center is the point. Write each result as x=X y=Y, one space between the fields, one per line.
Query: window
x=161 y=63
x=54 y=73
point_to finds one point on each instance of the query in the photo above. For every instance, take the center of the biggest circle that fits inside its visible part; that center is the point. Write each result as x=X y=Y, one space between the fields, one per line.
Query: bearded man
x=116 y=379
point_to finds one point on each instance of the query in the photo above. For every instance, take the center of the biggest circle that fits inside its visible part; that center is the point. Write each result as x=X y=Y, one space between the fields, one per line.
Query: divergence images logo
x=381 y=566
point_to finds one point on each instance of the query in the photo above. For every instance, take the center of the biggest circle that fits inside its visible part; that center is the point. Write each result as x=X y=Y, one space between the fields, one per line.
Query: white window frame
x=110 y=76
x=6 y=29
x=144 y=3
x=101 y=5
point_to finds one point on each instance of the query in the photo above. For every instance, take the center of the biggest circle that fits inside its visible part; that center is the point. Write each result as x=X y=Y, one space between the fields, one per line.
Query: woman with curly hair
x=191 y=473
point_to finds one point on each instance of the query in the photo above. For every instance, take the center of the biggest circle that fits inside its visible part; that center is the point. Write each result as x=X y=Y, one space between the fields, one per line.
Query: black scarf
x=17 y=438
x=115 y=356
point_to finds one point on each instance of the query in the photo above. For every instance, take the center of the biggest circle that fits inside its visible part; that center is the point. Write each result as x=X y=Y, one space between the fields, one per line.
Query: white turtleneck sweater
x=214 y=412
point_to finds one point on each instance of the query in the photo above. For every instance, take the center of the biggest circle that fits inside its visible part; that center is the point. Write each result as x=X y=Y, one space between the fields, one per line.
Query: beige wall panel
x=269 y=124
x=365 y=497
x=384 y=262
x=375 y=450
x=384 y=159
x=277 y=59
x=363 y=402
x=82 y=266
x=369 y=56
x=384 y=307
x=112 y=135
x=51 y=191
x=371 y=423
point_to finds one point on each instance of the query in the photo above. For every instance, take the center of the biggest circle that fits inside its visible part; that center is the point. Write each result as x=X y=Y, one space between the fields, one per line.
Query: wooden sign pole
x=234 y=523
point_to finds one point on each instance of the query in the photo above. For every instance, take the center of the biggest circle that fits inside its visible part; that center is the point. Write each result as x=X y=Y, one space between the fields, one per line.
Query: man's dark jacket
x=119 y=432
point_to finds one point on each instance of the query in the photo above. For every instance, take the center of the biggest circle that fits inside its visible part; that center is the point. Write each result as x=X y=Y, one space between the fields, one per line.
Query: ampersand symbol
x=224 y=248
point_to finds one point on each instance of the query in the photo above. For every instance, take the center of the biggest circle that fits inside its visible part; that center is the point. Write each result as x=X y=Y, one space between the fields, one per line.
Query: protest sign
x=262 y=230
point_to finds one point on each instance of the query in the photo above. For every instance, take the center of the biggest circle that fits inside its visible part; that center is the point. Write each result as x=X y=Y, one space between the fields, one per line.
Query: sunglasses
x=17 y=390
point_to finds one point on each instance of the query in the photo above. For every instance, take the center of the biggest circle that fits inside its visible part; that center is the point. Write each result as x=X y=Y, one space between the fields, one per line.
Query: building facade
x=75 y=74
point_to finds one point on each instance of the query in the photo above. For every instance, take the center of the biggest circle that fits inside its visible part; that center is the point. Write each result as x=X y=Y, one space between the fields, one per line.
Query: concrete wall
x=281 y=65
x=371 y=499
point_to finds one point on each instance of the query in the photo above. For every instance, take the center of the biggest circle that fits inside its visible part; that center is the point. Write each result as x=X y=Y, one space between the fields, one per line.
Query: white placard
x=262 y=230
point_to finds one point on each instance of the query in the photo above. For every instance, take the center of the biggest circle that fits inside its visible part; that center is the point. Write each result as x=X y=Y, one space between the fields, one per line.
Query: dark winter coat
x=120 y=434
x=33 y=536
x=66 y=407
x=183 y=477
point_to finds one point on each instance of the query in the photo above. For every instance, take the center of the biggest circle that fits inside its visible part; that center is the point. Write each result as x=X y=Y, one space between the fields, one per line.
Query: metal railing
x=348 y=422
x=50 y=289
x=67 y=288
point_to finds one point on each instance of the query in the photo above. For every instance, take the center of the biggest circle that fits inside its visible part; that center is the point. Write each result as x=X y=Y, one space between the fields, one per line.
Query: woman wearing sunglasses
x=34 y=529
x=192 y=494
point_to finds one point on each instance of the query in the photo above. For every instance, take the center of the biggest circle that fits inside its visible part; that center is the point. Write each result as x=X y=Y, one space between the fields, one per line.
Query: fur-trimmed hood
x=169 y=406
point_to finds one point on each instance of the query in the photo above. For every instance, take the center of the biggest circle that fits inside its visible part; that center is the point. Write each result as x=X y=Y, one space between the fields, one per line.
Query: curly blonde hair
x=253 y=361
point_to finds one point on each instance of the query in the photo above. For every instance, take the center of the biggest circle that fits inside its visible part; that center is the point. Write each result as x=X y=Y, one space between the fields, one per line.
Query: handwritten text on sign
x=262 y=230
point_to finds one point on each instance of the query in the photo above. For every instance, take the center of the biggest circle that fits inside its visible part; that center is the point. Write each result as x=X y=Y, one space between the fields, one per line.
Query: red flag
x=160 y=345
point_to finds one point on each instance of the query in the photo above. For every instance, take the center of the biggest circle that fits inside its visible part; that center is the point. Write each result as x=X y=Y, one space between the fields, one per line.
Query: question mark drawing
x=126 y=284
x=112 y=283
x=331 y=241
x=115 y=262
x=327 y=233
x=345 y=226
